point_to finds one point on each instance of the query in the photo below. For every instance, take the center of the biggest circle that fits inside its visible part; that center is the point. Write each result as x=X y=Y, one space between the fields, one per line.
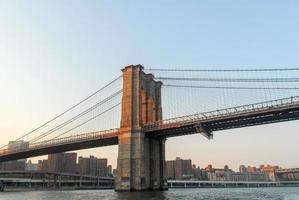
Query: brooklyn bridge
x=143 y=107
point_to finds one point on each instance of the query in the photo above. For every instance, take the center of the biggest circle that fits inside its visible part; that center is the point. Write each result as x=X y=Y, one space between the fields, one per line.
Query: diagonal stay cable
x=86 y=121
x=66 y=111
x=76 y=117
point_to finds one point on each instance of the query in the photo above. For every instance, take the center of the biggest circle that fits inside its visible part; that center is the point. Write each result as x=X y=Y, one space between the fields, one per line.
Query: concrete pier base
x=1 y=186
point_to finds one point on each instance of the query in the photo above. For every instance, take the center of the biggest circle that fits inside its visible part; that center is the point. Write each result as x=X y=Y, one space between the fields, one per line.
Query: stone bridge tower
x=141 y=159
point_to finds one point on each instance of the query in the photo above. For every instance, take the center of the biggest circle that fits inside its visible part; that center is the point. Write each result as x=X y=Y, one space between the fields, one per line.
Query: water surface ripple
x=177 y=194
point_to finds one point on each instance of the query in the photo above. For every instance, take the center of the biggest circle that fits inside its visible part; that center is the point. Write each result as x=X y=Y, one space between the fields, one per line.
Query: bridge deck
x=248 y=115
x=205 y=123
x=76 y=142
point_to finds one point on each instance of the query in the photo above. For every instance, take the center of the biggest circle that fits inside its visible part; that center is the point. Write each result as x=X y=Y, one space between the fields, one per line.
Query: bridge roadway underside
x=177 y=129
x=227 y=122
x=61 y=148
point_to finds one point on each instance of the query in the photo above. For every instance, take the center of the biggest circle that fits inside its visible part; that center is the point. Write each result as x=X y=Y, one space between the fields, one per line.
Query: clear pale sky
x=54 y=53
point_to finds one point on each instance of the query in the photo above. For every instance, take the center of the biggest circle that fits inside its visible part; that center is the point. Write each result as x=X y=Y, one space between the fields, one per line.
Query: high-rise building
x=93 y=166
x=226 y=168
x=17 y=145
x=102 y=167
x=84 y=165
x=114 y=172
x=209 y=168
x=270 y=171
x=242 y=169
x=17 y=165
x=70 y=162
x=251 y=169
x=62 y=162
x=179 y=169
x=170 y=169
x=42 y=165
x=93 y=170
x=199 y=174
x=109 y=170
x=30 y=166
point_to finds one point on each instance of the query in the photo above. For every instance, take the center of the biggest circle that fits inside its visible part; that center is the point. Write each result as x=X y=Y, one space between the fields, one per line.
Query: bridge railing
x=64 y=140
x=245 y=109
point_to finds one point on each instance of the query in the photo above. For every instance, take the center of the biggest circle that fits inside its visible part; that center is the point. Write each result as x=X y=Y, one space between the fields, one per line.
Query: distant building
x=42 y=165
x=15 y=165
x=271 y=171
x=102 y=167
x=251 y=169
x=109 y=170
x=245 y=177
x=218 y=176
x=84 y=165
x=114 y=172
x=93 y=166
x=17 y=145
x=179 y=169
x=237 y=176
x=170 y=169
x=62 y=162
x=209 y=168
x=199 y=174
x=30 y=166
x=242 y=169
x=226 y=168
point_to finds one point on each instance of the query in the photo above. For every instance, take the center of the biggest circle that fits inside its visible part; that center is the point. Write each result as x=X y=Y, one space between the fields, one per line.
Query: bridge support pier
x=1 y=186
x=141 y=163
x=141 y=159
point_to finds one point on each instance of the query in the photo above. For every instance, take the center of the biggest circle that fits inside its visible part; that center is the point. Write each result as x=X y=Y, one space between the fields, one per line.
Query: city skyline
x=44 y=70
x=72 y=157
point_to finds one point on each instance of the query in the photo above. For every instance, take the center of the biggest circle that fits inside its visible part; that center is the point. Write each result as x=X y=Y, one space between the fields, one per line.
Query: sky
x=55 y=53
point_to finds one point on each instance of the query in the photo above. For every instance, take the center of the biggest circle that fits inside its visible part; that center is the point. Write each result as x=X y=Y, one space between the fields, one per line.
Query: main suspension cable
x=234 y=88
x=224 y=70
x=230 y=79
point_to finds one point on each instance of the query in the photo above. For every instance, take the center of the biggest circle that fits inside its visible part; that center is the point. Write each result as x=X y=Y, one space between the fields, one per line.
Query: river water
x=177 y=194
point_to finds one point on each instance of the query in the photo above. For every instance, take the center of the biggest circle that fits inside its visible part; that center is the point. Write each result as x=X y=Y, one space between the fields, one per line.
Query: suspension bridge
x=128 y=112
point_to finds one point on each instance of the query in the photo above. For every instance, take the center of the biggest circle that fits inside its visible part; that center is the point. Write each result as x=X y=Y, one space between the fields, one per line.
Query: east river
x=290 y=193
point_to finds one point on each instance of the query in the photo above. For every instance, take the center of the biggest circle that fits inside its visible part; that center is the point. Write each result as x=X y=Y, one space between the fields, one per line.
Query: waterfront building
x=42 y=165
x=242 y=169
x=248 y=176
x=17 y=145
x=62 y=162
x=199 y=174
x=109 y=170
x=102 y=167
x=179 y=169
x=17 y=165
x=93 y=166
x=30 y=166
x=271 y=171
